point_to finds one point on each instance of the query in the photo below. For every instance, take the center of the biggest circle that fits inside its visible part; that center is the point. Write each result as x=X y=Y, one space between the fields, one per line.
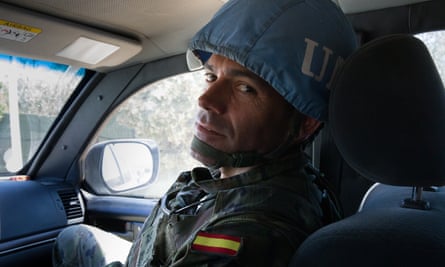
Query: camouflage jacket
x=257 y=218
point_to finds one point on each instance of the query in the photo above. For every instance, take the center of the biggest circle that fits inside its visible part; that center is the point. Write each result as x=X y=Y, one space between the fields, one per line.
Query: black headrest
x=387 y=113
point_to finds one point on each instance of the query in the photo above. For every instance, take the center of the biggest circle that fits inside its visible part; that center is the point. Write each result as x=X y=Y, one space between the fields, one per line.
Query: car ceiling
x=143 y=30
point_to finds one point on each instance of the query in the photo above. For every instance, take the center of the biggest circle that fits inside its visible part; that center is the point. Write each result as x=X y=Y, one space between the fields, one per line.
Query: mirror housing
x=121 y=166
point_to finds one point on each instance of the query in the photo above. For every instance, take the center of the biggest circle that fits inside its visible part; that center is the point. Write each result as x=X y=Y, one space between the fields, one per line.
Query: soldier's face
x=239 y=111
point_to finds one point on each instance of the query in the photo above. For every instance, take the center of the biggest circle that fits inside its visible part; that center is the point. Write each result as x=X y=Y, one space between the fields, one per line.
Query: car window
x=32 y=93
x=435 y=42
x=163 y=112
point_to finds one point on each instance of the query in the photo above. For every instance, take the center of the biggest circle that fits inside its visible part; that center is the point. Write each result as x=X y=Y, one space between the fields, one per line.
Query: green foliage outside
x=47 y=95
x=3 y=99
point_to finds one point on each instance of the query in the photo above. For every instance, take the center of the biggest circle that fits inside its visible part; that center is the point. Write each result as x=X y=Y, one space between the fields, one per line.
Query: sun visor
x=30 y=34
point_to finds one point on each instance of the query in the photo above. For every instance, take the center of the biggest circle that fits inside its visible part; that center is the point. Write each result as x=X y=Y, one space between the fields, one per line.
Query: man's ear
x=308 y=127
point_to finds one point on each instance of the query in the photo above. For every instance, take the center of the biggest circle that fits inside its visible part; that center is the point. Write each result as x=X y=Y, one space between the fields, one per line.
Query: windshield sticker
x=17 y=32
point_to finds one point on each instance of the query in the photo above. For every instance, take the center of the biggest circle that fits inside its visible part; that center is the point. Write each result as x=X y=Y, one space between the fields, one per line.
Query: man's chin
x=207 y=161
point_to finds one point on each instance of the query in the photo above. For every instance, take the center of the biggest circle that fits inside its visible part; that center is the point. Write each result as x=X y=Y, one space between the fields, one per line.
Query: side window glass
x=163 y=112
x=32 y=93
x=435 y=42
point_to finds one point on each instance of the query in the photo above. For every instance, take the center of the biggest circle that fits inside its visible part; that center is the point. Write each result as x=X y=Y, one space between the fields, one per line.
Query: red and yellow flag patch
x=217 y=244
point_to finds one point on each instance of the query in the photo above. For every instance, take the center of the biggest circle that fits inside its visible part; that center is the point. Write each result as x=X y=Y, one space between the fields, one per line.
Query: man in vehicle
x=269 y=65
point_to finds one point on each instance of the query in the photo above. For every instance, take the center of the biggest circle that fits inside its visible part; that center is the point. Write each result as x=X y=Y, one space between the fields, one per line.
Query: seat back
x=387 y=117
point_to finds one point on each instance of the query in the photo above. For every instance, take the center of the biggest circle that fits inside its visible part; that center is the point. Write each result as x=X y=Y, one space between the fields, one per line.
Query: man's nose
x=215 y=97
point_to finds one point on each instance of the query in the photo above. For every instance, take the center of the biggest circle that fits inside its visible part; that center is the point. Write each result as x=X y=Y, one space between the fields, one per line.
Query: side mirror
x=121 y=167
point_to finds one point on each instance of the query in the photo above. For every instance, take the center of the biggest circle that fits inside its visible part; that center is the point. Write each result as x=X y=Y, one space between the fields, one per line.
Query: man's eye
x=245 y=88
x=210 y=77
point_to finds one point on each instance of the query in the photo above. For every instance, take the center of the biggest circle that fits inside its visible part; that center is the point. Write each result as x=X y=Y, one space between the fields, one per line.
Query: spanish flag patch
x=217 y=244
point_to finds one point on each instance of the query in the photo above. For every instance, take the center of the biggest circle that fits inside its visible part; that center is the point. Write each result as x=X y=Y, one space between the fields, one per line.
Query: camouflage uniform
x=257 y=218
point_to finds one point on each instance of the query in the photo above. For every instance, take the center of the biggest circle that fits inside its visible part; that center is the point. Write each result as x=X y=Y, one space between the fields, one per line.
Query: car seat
x=387 y=118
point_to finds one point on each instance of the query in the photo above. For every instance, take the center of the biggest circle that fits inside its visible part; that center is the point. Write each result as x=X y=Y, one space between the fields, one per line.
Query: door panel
x=122 y=216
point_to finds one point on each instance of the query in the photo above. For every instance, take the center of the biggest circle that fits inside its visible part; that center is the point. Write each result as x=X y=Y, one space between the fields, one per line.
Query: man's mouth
x=208 y=128
x=205 y=130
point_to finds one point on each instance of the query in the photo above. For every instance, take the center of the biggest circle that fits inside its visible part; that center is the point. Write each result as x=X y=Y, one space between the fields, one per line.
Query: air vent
x=72 y=205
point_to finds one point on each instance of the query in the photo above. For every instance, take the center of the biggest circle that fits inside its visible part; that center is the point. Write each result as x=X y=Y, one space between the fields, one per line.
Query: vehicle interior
x=93 y=94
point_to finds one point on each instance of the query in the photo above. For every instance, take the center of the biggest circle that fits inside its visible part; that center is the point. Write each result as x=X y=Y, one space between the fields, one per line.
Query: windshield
x=32 y=93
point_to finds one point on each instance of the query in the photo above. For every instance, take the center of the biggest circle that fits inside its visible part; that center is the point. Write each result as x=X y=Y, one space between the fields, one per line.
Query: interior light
x=88 y=51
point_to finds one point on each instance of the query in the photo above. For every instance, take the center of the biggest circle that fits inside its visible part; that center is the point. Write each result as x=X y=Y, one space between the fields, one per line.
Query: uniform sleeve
x=242 y=243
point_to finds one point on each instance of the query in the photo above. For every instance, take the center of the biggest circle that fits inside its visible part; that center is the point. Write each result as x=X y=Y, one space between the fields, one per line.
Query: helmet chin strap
x=240 y=159
x=246 y=159
x=223 y=159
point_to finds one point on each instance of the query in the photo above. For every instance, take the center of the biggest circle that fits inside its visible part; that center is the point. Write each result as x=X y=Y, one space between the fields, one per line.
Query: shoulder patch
x=217 y=243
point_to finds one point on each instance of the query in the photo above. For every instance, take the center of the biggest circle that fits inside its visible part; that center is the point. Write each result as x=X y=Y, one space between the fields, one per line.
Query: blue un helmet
x=294 y=45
